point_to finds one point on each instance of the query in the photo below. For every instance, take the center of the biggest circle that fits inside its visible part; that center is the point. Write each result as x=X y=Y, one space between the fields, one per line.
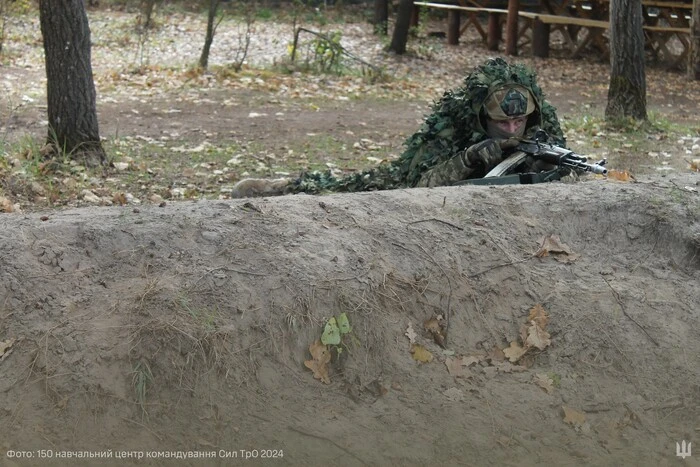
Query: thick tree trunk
x=694 y=56
x=211 y=30
x=401 y=29
x=381 y=17
x=627 y=90
x=70 y=90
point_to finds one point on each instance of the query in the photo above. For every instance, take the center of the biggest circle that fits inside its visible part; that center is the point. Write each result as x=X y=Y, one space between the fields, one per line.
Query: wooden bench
x=570 y=27
x=540 y=24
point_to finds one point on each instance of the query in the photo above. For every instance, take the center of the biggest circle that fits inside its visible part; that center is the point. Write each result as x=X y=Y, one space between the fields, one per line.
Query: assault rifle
x=512 y=169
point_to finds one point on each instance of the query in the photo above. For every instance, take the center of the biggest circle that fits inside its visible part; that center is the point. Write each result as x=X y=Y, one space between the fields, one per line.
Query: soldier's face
x=512 y=126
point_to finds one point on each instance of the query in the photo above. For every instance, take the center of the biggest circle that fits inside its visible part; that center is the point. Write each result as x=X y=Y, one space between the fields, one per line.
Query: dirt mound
x=185 y=328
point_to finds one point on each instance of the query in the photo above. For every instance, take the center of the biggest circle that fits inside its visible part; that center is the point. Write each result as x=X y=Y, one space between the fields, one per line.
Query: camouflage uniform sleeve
x=445 y=173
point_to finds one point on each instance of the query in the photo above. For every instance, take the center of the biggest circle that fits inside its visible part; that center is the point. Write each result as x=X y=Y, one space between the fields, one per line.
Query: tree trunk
x=402 y=26
x=70 y=89
x=147 y=7
x=211 y=30
x=627 y=90
x=694 y=55
x=381 y=17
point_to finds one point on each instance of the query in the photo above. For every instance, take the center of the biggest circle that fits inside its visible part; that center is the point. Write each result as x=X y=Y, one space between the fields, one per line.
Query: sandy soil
x=185 y=329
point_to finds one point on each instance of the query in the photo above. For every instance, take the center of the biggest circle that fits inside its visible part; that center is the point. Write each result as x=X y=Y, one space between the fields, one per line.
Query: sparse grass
x=636 y=147
x=203 y=317
x=142 y=379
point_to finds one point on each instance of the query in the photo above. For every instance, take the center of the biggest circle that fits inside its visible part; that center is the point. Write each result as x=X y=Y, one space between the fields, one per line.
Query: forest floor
x=144 y=312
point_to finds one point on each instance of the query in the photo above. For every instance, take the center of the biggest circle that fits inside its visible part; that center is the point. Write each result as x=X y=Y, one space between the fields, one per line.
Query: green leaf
x=344 y=324
x=331 y=333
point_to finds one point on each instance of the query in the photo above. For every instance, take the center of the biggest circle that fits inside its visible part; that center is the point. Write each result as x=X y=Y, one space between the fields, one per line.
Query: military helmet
x=509 y=101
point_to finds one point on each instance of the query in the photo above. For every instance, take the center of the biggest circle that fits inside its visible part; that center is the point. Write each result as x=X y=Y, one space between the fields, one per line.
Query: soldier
x=465 y=136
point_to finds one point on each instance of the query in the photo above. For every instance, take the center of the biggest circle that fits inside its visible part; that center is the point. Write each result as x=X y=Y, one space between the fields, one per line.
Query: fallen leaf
x=5 y=205
x=421 y=354
x=411 y=334
x=496 y=355
x=470 y=360
x=539 y=316
x=457 y=367
x=695 y=165
x=344 y=324
x=537 y=337
x=331 y=333
x=545 y=382
x=119 y=198
x=514 y=352
x=319 y=362
x=436 y=327
x=619 y=175
x=573 y=417
x=523 y=332
x=560 y=251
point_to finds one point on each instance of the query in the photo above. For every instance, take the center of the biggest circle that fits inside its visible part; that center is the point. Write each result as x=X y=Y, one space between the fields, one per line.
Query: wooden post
x=694 y=53
x=495 y=33
x=453 y=27
x=512 y=28
x=540 y=39
x=415 y=16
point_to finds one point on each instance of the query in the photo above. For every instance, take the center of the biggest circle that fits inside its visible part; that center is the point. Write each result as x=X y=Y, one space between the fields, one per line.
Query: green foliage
x=327 y=54
x=263 y=14
x=335 y=330
x=321 y=54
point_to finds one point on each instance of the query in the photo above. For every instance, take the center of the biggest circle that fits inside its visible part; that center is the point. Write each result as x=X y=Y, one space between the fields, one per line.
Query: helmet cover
x=509 y=101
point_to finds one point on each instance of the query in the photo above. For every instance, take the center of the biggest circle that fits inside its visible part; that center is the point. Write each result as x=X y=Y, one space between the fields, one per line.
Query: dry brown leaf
x=545 y=382
x=496 y=355
x=321 y=356
x=537 y=337
x=573 y=417
x=523 y=332
x=455 y=367
x=514 y=352
x=470 y=360
x=411 y=334
x=620 y=175
x=421 y=354
x=119 y=198
x=560 y=251
x=6 y=205
x=539 y=316
x=436 y=327
x=527 y=361
x=695 y=165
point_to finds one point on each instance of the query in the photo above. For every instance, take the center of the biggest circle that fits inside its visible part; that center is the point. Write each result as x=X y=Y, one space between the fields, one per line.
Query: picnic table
x=582 y=24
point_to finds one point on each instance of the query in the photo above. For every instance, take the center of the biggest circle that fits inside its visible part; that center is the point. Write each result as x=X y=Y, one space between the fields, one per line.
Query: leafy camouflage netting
x=455 y=124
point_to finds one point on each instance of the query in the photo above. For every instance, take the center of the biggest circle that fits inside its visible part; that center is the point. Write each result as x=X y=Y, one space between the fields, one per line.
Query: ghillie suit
x=457 y=121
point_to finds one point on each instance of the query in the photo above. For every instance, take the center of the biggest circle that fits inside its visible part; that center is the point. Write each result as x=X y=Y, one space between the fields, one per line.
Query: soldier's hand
x=486 y=153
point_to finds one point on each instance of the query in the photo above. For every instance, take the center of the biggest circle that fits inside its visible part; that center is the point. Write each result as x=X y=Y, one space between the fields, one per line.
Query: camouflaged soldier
x=469 y=132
